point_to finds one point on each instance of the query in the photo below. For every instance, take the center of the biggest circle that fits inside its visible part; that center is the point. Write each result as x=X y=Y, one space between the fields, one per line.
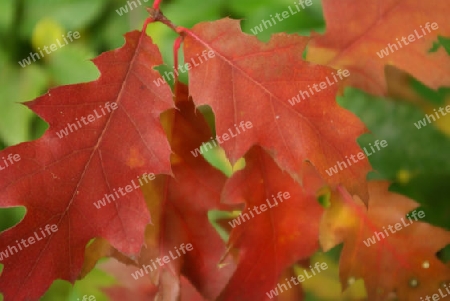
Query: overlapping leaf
x=179 y=208
x=393 y=253
x=141 y=289
x=59 y=179
x=359 y=31
x=270 y=241
x=250 y=81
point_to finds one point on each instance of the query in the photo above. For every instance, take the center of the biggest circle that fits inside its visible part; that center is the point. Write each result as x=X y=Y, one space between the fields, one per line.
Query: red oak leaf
x=114 y=137
x=141 y=289
x=179 y=207
x=284 y=231
x=258 y=92
x=384 y=245
x=365 y=36
x=127 y=288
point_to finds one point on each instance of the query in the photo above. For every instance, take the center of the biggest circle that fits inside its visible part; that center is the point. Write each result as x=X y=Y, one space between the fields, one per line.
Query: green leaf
x=431 y=191
x=7 y=11
x=416 y=160
x=410 y=150
x=62 y=11
x=441 y=42
x=297 y=21
x=15 y=119
x=71 y=65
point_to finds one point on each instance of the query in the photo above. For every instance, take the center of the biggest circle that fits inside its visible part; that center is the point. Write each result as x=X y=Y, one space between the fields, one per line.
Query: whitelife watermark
x=281 y=17
x=319 y=87
x=11 y=250
x=129 y=188
x=72 y=127
x=423 y=123
x=356 y=158
x=87 y=298
x=437 y=297
x=296 y=280
x=11 y=158
x=53 y=47
x=184 y=68
x=281 y=195
x=391 y=48
x=165 y=259
x=124 y=9
x=398 y=226
x=224 y=136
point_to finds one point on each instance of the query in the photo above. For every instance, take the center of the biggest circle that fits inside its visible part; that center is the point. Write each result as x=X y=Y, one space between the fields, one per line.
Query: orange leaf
x=283 y=232
x=386 y=247
x=179 y=206
x=251 y=81
x=362 y=35
x=58 y=180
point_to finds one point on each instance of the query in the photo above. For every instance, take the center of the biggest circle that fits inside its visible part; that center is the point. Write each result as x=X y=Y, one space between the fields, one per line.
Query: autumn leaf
x=194 y=234
x=112 y=136
x=127 y=288
x=141 y=289
x=179 y=206
x=283 y=232
x=385 y=245
x=254 y=83
x=365 y=36
x=295 y=292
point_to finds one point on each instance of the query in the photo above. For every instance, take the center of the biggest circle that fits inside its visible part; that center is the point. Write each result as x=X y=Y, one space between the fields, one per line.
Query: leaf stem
x=158 y=16
x=176 y=48
x=156 y=4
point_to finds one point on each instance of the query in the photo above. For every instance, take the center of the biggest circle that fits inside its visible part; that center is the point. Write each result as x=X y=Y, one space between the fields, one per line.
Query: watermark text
x=25 y=243
x=165 y=259
x=280 y=196
x=72 y=127
x=391 y=48
x=202 y=149
x=341 y=165
x=49 y=49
